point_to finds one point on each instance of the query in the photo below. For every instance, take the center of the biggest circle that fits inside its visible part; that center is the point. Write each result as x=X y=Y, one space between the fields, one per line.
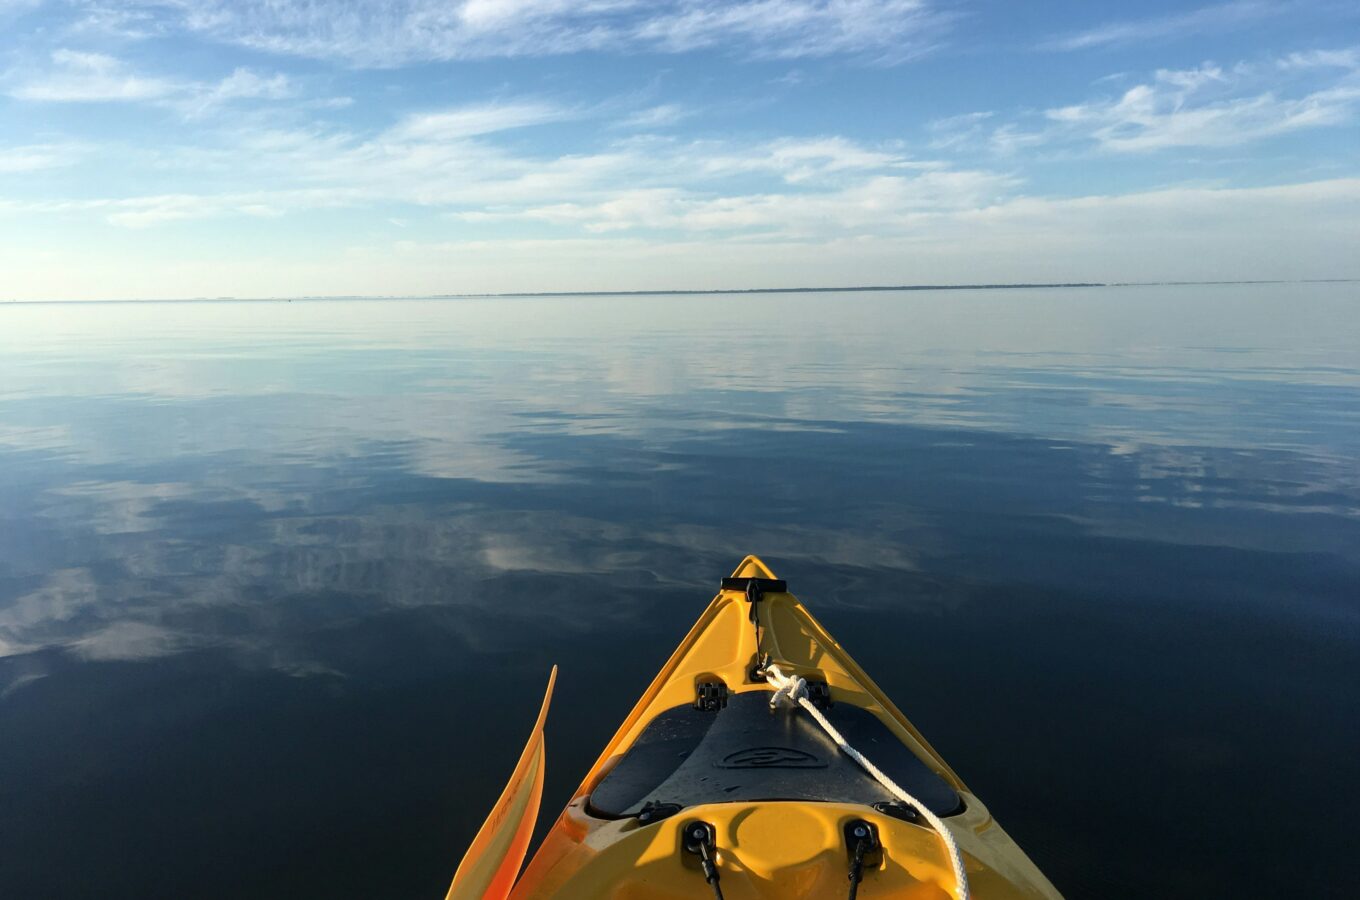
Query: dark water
x=280 y=583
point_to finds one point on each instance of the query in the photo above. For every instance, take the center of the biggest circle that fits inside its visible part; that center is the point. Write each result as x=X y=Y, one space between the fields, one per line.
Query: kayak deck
x=742 y=753
x=704 y=747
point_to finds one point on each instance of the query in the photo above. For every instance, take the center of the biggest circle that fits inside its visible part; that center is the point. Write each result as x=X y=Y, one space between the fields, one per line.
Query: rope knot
x=792 y=688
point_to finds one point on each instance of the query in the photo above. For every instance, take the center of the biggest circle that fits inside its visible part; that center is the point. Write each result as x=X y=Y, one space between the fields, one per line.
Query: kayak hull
x=769 y=847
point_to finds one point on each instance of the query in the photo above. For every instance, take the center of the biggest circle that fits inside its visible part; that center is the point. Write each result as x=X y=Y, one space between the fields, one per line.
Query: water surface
x=280 y=583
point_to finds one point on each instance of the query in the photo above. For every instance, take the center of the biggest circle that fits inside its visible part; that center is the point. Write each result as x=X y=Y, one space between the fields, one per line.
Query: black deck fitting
x=765 y=585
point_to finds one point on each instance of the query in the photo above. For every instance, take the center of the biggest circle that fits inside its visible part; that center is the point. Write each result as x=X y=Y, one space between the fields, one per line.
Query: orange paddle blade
x=490 y=865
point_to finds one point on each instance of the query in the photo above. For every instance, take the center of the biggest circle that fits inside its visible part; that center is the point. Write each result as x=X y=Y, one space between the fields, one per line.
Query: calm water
x=280 y=583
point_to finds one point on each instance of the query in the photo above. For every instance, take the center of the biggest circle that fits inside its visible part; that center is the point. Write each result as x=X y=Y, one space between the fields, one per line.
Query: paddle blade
x=489 y=867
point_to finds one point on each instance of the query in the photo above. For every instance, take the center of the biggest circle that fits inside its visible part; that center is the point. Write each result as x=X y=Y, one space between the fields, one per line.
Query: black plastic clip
x=764 y=585
x=654 y=812
x=754 y=594
x=710 y=696
x=898 y=810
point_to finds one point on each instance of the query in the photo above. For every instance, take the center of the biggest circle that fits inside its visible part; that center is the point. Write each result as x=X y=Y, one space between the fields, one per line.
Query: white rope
x=794 y=689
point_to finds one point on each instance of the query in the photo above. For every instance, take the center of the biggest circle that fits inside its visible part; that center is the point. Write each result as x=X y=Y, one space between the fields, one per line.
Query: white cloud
x=125 y=22
x=1289 y=231
x=1292 y=231
x=802 y=159
x=157 y=209
x=1344 y=58
x=35 y=157
x=78 y=77
x=477 y=119
x=1009 y=138
x=393 y=32
x=242 y=84
x=879 y=205
x=661 y=116
x=1204 y=106
x=444 y=160
x=889 y=30
x=449 y=160
x=1186 y=108
x=963 y=120
x=962 y=130
x=458 y=169
x=145 y=212
x=83 y=77
x=1216 y=18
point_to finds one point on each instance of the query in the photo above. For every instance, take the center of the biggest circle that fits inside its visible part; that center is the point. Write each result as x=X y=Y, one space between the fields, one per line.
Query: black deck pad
x=747 y=751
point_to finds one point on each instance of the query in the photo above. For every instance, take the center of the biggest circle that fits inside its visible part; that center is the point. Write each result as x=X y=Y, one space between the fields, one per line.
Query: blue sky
x=188 y=148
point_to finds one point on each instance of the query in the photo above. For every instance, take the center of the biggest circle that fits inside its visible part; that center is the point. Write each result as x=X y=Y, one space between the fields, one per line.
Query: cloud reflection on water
x=344 y=494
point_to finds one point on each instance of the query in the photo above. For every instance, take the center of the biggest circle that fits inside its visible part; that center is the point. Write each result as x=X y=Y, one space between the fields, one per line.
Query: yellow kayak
x=761 y=763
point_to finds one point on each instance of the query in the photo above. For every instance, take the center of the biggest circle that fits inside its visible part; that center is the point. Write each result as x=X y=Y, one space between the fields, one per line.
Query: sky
x=265 y=148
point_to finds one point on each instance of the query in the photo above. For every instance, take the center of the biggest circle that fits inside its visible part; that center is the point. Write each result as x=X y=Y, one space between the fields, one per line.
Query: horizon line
x=658 y=292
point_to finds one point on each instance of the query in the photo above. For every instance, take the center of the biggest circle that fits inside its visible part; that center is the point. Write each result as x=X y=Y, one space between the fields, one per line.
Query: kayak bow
x=727 y=772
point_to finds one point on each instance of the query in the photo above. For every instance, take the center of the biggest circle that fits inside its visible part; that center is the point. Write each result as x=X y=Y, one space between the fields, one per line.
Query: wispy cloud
x=1343 y=58
x=1186 y=108
x=1224 y=233
x=451 y=160
x=384 y=33
x=77 y=77
x=128 y=21
x=698 y=152
x=1220 y=17
x=959 y=130
x=1290 y=231
x=147 y=211
x=241 y=84
x=35 y=157
x=661 y=116
x=878 y=204
x=477 y=119
x=888 y=30
x=1205 y=106
x=81 y=77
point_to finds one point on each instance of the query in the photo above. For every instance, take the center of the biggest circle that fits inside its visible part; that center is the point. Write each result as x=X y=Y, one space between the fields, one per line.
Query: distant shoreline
x=704 y=292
